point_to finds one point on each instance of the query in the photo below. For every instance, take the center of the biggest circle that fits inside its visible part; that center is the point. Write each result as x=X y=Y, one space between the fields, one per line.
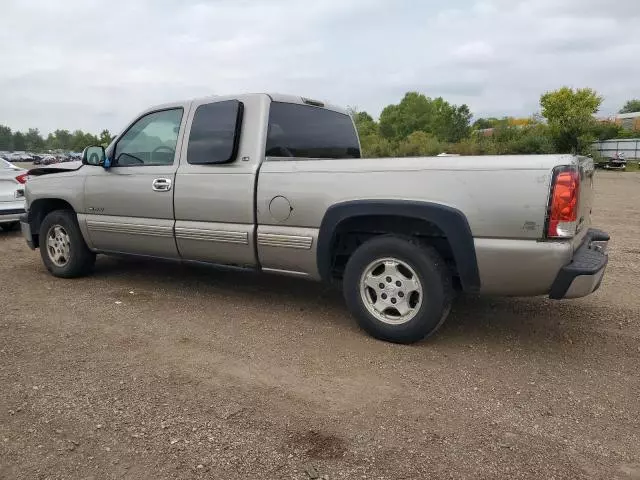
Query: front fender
x=67 y=186
x=59 y=191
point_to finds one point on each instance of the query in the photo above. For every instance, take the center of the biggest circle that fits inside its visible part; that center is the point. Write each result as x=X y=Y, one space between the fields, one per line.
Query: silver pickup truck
x=276 y=183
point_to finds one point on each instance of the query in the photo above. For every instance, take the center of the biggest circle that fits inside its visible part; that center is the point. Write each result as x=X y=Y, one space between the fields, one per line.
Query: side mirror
x=93 y=156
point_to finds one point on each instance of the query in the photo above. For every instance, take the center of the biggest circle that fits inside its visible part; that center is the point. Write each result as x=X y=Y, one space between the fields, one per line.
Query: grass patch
x=633 y=166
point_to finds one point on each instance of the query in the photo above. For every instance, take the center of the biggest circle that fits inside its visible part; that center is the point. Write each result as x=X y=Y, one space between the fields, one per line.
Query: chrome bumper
x=584 y=274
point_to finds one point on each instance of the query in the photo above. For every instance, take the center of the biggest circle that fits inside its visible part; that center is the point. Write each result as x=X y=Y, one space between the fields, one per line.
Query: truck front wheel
x=398 y=289
x=62 y=247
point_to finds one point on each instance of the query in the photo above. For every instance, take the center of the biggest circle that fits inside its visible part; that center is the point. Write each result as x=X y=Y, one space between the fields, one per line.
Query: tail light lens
x=22 y=178
x=563 y=208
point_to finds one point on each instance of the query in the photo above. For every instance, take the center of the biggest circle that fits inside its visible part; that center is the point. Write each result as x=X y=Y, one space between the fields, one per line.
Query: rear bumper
x=583 y=275
x=25 y=227
x=9 y=215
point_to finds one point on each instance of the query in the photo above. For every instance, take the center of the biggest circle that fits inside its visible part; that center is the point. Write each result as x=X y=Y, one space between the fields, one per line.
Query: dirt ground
x=155 y=370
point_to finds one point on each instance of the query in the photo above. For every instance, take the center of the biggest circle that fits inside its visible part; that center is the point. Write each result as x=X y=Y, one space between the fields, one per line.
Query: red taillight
x=563 y=216
x=22 y=178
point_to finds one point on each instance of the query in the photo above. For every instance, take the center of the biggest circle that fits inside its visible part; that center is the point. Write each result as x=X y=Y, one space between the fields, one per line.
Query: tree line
x=420 y=125
x=33 y=141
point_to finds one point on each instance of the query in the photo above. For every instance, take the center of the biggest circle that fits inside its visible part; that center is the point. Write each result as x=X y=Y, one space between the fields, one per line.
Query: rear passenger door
x=214 y=191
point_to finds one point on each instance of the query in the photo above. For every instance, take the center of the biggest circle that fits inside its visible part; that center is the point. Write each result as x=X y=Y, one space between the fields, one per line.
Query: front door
x=129 y=207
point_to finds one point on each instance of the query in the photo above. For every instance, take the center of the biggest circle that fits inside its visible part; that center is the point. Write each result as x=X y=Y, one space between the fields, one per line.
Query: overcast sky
x=93 y=64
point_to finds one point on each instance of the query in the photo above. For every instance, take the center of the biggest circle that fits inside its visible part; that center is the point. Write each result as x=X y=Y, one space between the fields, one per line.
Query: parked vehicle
x=276 y=183
x=4 y=164
x=12 y=180
x=615 y=162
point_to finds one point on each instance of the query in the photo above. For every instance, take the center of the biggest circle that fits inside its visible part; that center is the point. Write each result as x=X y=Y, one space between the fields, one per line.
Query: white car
x=12 y=180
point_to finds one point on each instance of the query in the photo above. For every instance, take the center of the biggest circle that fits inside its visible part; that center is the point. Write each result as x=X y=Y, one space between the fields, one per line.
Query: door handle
x=161 y=185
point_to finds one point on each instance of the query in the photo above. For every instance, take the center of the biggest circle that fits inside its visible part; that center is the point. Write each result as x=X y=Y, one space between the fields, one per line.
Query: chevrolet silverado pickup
x=276 y=183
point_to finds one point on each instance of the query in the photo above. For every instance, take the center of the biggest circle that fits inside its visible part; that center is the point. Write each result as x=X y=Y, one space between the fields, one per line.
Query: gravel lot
x=157 y=370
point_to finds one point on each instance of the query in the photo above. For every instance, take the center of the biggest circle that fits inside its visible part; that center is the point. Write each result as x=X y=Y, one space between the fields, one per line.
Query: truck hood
x=55 y=168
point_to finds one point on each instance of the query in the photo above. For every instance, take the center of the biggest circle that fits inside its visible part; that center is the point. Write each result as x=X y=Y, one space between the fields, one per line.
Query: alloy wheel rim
x=58 y=245
x=391 y=291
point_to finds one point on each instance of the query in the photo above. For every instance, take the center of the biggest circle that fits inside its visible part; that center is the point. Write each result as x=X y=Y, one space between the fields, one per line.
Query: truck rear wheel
x=62 y=247
x=398 y=289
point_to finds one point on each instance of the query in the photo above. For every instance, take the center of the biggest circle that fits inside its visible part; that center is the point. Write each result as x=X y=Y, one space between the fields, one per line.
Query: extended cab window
x=215 y=133
x=150 y=141
x=310 y=132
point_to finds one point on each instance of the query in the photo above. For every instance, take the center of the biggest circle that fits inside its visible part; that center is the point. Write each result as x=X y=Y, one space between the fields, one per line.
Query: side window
x=310 y=132
x=215 y=133
x=150 y=141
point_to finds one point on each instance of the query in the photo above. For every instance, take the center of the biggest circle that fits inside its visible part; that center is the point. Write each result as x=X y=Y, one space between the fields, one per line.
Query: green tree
x=570 y=115
x=451 y=122
x=419 y=144
x=532 y=140
x=413 y=113
x=49 y=142
x=606 y=130
x=59 y=140
x=375 y=146
x=416 y=112
x=77 y=141
x=483 y=123
x=631 y=106
x=6 y=138
x=34 y=141
x=105 y=138
x=80 y=140
x=476 y=145
x=365 y=124
x=19 y=142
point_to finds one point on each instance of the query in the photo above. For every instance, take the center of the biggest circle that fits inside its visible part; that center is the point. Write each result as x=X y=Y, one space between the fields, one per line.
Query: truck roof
x=276 y=97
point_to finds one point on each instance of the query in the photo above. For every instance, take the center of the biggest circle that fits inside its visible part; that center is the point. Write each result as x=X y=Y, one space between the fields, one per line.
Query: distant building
x=628 y=121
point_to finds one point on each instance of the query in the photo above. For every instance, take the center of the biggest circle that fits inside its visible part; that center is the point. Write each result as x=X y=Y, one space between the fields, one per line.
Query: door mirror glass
x=93 y=156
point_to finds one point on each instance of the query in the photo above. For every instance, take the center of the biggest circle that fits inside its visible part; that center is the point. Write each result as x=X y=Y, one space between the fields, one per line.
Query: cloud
x=474 y=50
x=93 y=64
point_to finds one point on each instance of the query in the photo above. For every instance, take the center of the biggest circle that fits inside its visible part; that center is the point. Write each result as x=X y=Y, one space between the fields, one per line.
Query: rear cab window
x=304 y=131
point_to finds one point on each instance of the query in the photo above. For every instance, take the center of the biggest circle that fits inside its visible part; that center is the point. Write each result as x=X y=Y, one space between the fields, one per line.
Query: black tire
x=81 y=260
x=434 y=277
